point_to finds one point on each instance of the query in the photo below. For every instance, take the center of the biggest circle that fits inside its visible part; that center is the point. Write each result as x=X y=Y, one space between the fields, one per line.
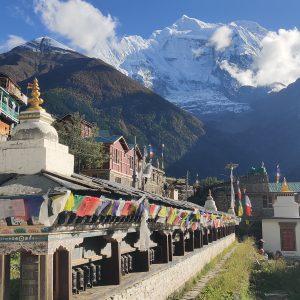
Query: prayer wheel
x=87 y=277
x=29 y=276
x=98 y=273
x=93 y=277
x=122 y=265
x=74 y=282
x=80 y=279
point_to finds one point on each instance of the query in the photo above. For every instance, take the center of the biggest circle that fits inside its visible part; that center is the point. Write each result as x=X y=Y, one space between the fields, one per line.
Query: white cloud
x=221 y=38
x=277 y=62
x=197 y=52
x=80 y=22
x=11 y=42
x=244 y=77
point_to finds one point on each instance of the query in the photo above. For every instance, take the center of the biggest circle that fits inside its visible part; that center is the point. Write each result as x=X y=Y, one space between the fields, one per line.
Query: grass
x=192 y=282
x=234 y=281
x=275 y=275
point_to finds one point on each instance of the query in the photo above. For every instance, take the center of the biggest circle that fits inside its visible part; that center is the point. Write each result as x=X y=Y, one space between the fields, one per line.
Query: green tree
x=87 y=151
x=204 y=185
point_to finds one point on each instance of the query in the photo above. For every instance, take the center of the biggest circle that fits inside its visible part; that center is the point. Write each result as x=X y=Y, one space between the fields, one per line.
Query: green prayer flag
x=77 y=202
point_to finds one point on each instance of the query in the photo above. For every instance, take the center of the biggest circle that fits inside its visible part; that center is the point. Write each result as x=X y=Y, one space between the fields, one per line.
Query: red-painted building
x=120 y=165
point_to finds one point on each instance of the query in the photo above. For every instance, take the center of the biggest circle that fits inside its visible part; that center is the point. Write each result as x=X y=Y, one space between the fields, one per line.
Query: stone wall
x=161 y=284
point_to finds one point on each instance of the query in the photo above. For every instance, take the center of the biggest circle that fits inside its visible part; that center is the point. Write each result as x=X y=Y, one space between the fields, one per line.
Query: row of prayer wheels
x=86 y=276
x=90 y=275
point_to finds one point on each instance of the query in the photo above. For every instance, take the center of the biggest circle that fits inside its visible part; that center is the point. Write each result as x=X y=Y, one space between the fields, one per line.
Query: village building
x=155 y=183
x=11 y=98
x=86 y=127
x=281 y=231
x=178 y=189
x=120 y=163
x=80 y=236
x=260 y=190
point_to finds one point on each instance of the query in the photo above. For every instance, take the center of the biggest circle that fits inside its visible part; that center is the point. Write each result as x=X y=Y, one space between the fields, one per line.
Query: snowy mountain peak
x=253 y=27
x=46 y=43
x=188 y=23
x=188 y=62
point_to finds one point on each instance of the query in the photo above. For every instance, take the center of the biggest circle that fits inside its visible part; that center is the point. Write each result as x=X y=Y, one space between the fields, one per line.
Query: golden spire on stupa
x=35 y=101
x=285 y=187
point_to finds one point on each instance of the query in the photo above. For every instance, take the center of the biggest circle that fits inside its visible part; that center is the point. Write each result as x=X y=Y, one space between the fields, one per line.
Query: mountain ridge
x=183 y=62
x=72 y=82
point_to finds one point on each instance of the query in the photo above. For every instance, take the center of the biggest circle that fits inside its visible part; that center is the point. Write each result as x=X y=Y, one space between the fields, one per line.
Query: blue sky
x=142 y=17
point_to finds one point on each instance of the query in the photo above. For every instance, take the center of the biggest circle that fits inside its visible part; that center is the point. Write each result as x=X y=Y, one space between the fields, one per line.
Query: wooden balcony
x=6 y=106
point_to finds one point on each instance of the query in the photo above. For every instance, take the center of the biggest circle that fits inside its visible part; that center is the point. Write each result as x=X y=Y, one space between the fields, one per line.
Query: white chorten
x=34 y=144
x=210 y=203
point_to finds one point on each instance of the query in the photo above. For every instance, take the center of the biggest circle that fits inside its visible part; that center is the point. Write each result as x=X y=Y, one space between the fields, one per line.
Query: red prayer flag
x=88 y=206
x=126 y=208
x=248 y=207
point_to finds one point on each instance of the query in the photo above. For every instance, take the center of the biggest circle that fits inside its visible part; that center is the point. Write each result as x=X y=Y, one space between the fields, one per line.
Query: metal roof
x=108 y=139
x=276 y=187
x=13 y=184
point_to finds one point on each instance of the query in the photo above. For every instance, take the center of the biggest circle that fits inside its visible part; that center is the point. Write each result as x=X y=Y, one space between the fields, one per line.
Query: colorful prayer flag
x=240 y=209
x=12 y=208
x=126 y=208
x=70 y=203
x=163 y=212
x=239 y=193
x=88 y=206
x=77 y=202
x=248 y=206
x=172 y=216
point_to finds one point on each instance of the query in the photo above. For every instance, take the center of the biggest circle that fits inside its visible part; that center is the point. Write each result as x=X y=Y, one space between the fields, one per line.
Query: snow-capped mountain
x=185 y=62
x=46 y=43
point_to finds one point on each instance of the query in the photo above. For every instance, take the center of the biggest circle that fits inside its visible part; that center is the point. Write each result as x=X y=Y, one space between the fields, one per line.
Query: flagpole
x=134 y=164
x=231 y=167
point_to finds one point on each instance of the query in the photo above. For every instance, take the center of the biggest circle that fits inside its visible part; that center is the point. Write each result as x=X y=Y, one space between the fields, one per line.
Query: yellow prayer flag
x=163 y=212
x=172 y=216
x=70 y=203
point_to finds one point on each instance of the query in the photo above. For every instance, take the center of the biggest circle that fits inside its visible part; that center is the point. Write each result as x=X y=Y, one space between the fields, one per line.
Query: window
x=118 y=180
x=288 y=236
x=116 y=156
x=131 y=162
x=267 y=202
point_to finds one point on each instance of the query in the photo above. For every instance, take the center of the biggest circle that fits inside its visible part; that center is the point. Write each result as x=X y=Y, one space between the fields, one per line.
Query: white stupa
x=210 y=203
x=34 y=144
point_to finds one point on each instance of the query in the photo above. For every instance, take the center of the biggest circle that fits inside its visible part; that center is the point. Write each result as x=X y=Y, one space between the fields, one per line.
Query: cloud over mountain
x=78 y=21
x=277 y=64
x=11 y=42
x=221 y=38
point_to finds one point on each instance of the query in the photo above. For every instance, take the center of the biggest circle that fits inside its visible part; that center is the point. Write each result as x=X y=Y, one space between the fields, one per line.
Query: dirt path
x=196 y=290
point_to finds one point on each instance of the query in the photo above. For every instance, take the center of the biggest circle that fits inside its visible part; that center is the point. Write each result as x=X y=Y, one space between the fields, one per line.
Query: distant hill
x=72 y=82
x=268 y=133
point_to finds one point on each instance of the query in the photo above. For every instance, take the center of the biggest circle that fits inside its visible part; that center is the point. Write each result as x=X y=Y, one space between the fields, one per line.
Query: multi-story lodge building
x=119 y=166
x=86 y=127
x=11 y=98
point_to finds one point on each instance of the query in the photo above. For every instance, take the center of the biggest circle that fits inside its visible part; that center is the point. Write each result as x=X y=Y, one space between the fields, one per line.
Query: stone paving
x=203 y=281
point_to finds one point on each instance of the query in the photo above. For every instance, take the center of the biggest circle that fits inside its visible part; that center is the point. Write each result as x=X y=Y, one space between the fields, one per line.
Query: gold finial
x=285 y=187
x=35 y=101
